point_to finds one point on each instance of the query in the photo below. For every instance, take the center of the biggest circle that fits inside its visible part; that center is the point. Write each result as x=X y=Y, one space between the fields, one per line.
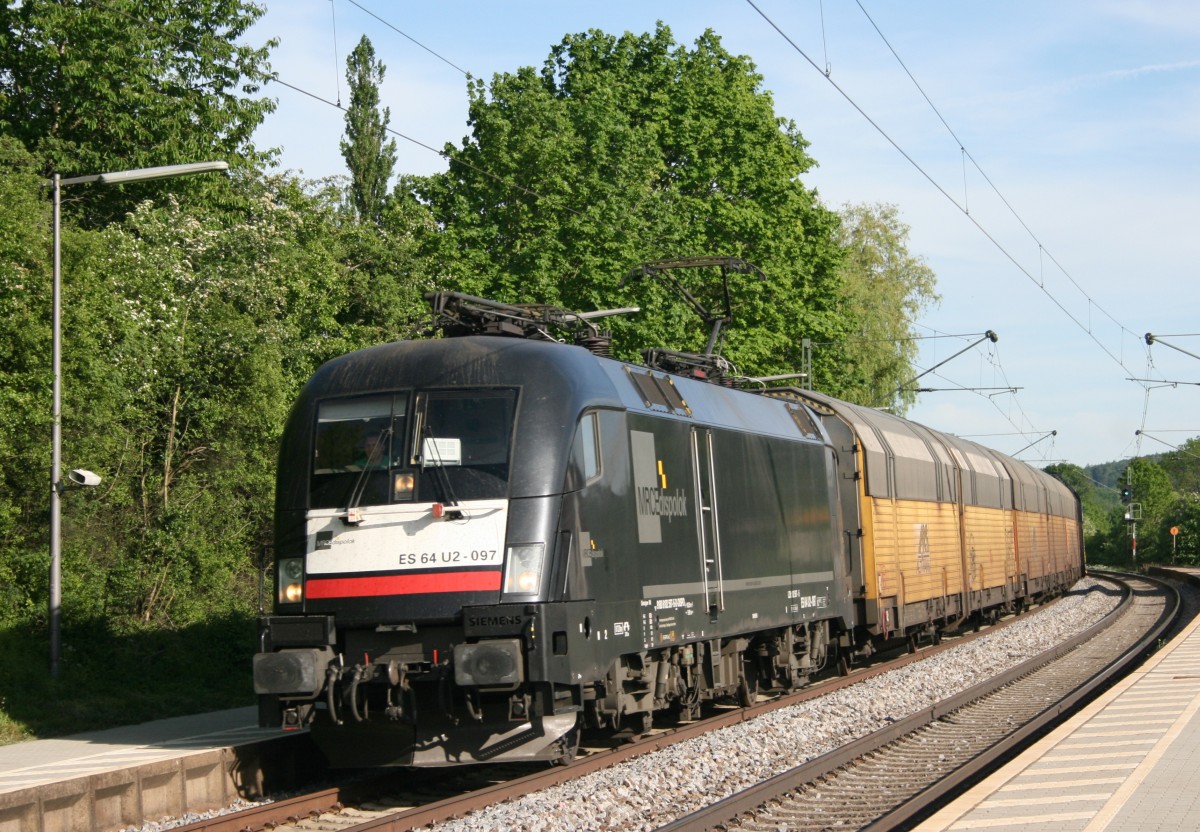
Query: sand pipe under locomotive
x=484 y=544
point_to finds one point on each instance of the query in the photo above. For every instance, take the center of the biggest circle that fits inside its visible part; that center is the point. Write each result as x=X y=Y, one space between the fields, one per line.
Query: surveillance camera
x=83 y=477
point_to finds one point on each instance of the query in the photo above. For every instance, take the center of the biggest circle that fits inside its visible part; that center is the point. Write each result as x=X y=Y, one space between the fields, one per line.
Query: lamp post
x=79 y=477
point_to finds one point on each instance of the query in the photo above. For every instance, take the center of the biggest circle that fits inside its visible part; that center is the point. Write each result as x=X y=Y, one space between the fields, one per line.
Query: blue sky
x=1077 y=238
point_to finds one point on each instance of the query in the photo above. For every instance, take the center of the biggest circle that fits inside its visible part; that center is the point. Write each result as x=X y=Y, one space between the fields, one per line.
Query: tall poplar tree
x=367 y=154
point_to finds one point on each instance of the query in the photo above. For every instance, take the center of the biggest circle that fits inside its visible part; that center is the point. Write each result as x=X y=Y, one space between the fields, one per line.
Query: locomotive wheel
x=569 y=746
x=642 y=722
x=745 y=696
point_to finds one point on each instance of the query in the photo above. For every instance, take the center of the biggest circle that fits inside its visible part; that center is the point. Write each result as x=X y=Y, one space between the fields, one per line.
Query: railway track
x=892 y=778
x=414 y=799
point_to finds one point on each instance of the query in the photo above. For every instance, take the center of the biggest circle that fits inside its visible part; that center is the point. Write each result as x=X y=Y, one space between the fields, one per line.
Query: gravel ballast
x=654 y=789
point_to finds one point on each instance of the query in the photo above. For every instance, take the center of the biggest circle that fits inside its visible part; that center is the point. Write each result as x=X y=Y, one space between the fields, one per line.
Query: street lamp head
x=83 y=478
x=164 y=172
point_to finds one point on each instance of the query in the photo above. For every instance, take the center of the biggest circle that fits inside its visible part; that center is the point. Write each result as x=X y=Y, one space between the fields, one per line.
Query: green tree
x=887 y=286
x=1153 y=497
x=1185 y=516
x=24 y=375
x=196 y=338
x=186 y=339
x=1151 y=489
x=1183 y=466
x=632 y=148
x=1096 y=504
x=369 y=154
x=91 y=87
x=385 y=275
x=190 y=329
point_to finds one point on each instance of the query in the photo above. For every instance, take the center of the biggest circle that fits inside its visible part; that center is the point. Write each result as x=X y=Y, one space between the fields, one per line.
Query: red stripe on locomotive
x=364 y=587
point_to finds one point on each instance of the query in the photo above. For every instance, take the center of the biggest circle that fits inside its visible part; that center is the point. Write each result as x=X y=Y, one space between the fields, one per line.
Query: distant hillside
x=1109 y=473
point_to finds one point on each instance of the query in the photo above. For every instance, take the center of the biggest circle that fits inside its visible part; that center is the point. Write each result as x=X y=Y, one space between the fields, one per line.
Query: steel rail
x=1044 y=720
x=748 y=800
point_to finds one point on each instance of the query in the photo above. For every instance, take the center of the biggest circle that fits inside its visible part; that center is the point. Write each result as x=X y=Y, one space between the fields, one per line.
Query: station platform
x=37 y=762
x=1127 y=762
x=106 y=779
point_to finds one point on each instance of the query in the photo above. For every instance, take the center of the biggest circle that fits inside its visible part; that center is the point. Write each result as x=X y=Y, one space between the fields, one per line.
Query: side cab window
x=586 y=465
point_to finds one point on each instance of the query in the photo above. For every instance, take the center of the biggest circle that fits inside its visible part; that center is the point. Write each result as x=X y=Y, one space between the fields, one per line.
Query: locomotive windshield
x=462 y=446
x=365 y=453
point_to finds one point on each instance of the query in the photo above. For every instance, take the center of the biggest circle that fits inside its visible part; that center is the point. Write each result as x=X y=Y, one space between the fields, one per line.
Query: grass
x=109 y=679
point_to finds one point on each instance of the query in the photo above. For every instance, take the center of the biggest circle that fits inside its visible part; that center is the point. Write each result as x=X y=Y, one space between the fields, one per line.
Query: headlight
x=523 y=569
x=291 y=580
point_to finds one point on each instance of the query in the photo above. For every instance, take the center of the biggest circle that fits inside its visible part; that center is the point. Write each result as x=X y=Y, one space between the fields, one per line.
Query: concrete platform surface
x=1128 y=762
x=33 y=763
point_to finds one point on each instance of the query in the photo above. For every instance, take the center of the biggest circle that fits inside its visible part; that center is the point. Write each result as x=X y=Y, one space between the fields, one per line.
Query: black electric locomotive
x=485 y=544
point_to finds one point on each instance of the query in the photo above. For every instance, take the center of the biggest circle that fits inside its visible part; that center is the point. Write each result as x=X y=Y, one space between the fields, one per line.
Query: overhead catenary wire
x=1043 y=253
x=337 y=66
x=962 y=208
x=1042 y=250
x=338 y=106
x=409 y=37
x=828 y=75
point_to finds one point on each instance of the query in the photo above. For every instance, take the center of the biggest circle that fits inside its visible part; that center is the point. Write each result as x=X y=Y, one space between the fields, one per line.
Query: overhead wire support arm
x=1168 y=444
x=1152 y=339
x=1034 y=442
x=987 y=336
x=1162 y=382
x=998 y=390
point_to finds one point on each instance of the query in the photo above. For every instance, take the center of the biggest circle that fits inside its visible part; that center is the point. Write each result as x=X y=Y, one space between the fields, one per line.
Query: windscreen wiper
x=431 y=446
x=360 y=482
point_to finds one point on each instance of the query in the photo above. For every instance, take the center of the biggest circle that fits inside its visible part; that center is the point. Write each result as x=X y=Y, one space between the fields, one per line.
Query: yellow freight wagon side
x=991 y=555
x=922 y=560
x=940 y=527
x=879 y=549
x=1033 y=551
x=1073 y=548
x=1066 y=539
